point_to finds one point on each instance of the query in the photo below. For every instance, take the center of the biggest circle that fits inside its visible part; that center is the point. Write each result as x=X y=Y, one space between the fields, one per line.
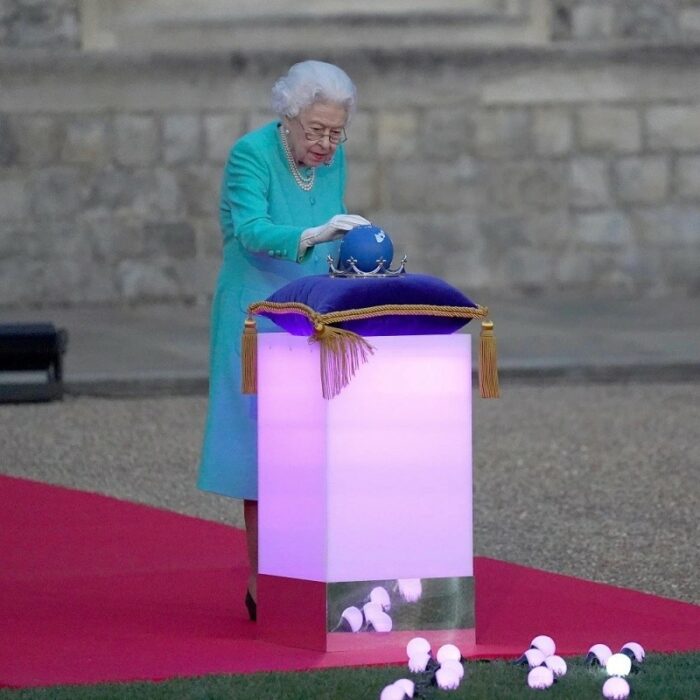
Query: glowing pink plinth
x=375 y=483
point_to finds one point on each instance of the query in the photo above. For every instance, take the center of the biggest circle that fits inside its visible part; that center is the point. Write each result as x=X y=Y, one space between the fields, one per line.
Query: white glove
x=335 y=228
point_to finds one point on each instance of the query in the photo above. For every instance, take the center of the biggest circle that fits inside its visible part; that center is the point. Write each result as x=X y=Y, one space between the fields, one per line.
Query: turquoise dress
x=262 y=213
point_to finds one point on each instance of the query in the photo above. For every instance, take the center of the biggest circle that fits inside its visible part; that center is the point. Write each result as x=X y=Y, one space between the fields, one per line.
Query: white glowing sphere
x=371 y=610
x=392 y=692
x=618 y=665
x=540 y=677
x=408 y=686
x=448 y=651
x=418 y=645
x=453 y=665
x=534 y=657
x=616 y=689
x=556 y=664
x=381 y=622
x=601 y=652
x=410 y=589
x=379 y=595
x=447 y=679
x=354 y=618
x=636 y=649
x=545 y=644
x=418 y=662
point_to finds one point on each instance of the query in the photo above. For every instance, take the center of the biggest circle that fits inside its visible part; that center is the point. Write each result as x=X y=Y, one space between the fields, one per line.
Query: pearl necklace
x=306 y=183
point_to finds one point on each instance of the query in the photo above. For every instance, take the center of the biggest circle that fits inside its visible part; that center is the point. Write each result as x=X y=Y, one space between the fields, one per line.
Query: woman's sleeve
x=246 y=186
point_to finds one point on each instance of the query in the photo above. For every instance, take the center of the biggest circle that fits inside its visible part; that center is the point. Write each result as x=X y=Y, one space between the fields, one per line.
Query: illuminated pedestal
x=364 y=490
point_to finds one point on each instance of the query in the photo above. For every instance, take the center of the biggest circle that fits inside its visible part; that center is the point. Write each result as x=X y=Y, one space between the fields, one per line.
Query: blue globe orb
x=367 y=244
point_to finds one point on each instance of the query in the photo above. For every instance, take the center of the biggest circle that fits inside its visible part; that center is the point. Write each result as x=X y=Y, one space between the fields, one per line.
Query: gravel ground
x=599 y=481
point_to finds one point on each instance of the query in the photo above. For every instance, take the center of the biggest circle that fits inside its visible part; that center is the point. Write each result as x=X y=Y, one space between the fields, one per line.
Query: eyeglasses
x=317 y=133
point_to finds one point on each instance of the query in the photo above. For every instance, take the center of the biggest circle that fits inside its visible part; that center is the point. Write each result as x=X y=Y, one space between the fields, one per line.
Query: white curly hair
x=309 y=82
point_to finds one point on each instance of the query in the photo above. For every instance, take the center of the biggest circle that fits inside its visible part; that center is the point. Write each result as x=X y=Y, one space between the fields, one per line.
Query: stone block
x=523 y=185
x=111 y=237
x=18 y=282
x=14 y=197
x=57 y=192
x=221 y=131
x=51 y=239
x=61 y=280
x=673 y=126
x=208 y=237
x=447 y=133
x=182 y=138
x=201 y=188
x=647 y=19
x=136 y=139
x=552 y=131
x=528 y=269
x=586 y=268
x=111 y=188
x=670 y=225
x=12 y=240
x=170 y=239
x=689 y=21
x=141 y=280
x=592 y=21
x=196 y=278
x=362 y=192
x=688 y=177
x=503 y=133
x=362 y=139
x=589 y=182
x=546 y=230
x=85 y=141
x=9 y=147
x=397 y=134
x=44 y=24
x=418 y=185
x=609 y=129
x=680 y=269
x=607 y=229
x=38 y=139
x=155 y=193
x=642 y=180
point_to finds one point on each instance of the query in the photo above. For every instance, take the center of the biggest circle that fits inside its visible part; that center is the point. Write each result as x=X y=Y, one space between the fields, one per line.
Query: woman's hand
x=335 y=228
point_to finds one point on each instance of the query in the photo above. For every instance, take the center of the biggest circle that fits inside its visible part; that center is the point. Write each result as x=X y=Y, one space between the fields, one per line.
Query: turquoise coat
x=262 y=214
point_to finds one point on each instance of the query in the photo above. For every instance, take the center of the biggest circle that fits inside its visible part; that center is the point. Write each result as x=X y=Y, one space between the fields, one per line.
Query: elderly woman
x=281 y=214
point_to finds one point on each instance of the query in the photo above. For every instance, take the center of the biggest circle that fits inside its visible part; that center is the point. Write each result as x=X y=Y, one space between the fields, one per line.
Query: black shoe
x=252 y=607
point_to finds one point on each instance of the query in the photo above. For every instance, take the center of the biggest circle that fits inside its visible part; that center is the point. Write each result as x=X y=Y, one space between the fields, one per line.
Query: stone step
x=383 y=25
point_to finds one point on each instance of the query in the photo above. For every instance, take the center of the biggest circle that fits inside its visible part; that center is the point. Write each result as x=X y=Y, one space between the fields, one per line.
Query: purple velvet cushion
x=325 y=294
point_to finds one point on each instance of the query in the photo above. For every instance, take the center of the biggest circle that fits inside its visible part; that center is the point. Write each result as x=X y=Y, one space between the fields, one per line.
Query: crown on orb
x=350 y=269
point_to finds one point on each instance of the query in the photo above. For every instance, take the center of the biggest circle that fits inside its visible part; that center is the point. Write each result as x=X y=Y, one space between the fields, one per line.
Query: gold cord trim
x=369 y=311
x=342 y=351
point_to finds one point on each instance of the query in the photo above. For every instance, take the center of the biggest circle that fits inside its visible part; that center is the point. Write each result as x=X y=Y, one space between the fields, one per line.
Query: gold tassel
x=249 y=357
x=342 y=352
x=488 y=368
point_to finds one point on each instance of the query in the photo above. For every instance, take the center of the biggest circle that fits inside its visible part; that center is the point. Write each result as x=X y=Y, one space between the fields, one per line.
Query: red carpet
x=93 y=589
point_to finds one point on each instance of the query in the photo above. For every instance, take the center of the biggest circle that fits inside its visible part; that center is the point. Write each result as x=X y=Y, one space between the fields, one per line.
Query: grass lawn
x=665 y=677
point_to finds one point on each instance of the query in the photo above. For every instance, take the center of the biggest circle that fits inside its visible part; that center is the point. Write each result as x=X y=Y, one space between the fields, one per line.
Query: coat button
x=312 y=200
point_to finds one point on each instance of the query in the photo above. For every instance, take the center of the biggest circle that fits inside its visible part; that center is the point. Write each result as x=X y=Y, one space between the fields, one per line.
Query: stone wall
x=556 y=168
x=53 y=24
x=603 y=20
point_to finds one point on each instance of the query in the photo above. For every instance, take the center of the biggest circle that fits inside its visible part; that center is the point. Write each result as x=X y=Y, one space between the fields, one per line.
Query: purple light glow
x=545 y=644
x=616 y=689
x=361 y=487
x=540 y=677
